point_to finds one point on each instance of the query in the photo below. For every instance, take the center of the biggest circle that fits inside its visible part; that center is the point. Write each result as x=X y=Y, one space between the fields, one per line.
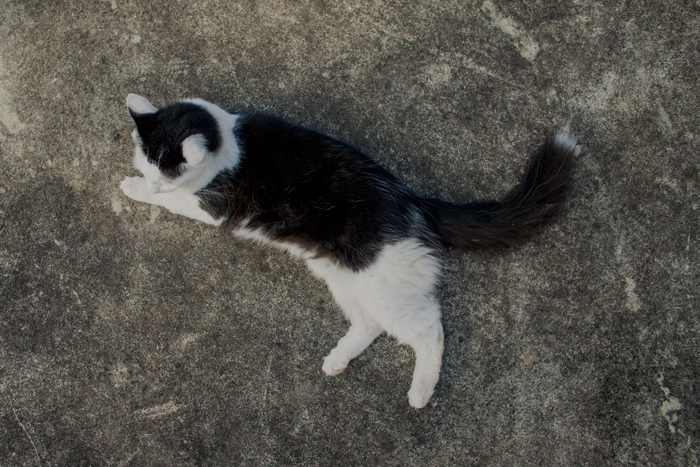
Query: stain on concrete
x=8 y=116
x=670 y=406
x=526 y=45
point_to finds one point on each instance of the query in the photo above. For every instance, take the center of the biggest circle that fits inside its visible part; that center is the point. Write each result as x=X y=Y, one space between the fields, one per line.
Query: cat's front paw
x=135 y=188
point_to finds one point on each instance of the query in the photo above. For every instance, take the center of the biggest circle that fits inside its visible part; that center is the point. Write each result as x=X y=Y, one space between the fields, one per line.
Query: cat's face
x=171 y=143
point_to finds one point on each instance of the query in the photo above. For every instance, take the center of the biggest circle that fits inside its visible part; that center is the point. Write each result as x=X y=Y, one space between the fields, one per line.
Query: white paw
x=135 y=188
x=419 y=396
x=332 y=365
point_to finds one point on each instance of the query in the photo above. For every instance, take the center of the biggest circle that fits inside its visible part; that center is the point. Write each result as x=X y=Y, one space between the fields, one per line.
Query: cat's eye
x=173 y=172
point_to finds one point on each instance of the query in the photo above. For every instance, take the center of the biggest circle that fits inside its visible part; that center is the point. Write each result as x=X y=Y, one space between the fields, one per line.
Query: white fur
x=139 y=104
x=394 y=294
x=565 y=140
x=193 y=149
x=257 y=235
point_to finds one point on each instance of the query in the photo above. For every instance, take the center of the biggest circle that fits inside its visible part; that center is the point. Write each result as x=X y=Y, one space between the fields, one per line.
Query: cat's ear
x=139 y=105
x=142 y=113
x=193 y=149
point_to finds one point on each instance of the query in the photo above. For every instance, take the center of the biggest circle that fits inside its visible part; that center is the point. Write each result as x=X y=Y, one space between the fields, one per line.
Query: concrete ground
x=130 y=336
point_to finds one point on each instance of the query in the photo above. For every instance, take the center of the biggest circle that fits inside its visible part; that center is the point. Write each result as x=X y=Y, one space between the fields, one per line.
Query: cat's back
x=275 y=141
x=309 y=188
x=283 y=156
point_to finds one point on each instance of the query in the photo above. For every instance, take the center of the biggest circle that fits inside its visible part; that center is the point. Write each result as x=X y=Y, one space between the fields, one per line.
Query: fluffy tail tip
x=565 y=140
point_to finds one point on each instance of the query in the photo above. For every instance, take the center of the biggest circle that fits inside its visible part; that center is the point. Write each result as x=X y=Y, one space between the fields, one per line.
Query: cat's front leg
x=177 y=202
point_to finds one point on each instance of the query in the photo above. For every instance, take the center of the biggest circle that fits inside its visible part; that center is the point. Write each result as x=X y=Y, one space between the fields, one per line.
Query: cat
x=373 y=240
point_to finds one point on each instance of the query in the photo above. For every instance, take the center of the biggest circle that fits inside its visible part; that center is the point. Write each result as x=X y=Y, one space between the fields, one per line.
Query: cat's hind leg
x=347 y=289
x=428 y=347
x=360 y=335
x=402 y=302
x=394 y=294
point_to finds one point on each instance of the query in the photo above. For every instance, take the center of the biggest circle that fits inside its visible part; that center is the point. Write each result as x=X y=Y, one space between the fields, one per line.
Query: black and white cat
x=374 y=242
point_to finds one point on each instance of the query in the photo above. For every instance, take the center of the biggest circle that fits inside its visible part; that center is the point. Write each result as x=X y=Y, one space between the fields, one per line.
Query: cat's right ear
x=139 y=105
x=141 y=112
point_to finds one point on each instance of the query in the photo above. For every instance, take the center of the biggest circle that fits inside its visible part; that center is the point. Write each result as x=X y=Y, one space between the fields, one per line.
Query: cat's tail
x=521 y=213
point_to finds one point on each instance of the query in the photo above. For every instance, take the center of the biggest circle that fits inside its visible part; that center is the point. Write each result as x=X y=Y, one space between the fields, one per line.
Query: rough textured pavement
x=130 y=336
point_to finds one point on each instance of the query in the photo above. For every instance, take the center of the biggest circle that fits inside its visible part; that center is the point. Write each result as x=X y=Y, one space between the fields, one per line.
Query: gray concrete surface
x=130 y=336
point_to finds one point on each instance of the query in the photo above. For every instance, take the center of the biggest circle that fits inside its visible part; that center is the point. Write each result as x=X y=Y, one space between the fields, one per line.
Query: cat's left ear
x=193 y=149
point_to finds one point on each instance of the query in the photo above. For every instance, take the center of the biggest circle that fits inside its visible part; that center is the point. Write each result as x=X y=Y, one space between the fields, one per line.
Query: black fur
x=163 y=132
x=302 y=187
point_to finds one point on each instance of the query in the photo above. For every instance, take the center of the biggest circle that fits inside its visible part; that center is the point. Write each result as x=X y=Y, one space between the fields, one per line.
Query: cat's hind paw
x=419 y=396
x=135 y=188
x=332 y=365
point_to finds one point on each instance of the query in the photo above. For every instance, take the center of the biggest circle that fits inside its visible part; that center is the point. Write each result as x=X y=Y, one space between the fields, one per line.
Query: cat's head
x=172 y=143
